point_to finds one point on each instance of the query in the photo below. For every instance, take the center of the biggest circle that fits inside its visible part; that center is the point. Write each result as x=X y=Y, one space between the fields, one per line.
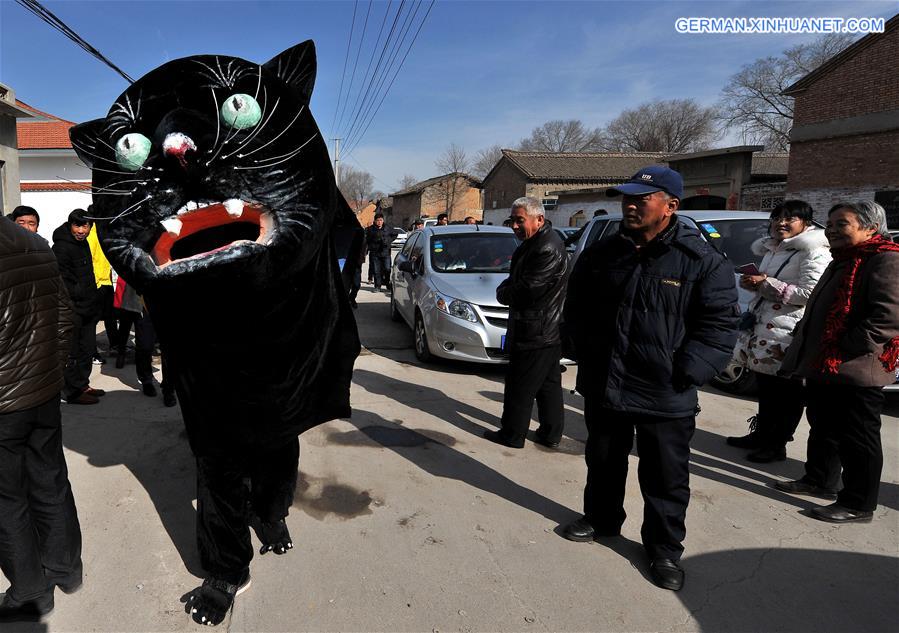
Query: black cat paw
x=274 y=536
x=209 y=603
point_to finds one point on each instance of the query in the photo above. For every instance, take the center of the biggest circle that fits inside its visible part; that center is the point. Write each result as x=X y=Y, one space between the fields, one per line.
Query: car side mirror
x=405 y=266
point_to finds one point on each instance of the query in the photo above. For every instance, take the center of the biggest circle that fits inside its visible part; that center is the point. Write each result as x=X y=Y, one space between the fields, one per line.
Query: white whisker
x=250 y=153
x=84 y=151
x=129 y=209
x=291 y=152
x=218 y=122
x=286 y=156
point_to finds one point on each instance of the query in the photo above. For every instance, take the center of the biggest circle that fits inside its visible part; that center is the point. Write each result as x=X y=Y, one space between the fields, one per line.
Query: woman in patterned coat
x=795 y=255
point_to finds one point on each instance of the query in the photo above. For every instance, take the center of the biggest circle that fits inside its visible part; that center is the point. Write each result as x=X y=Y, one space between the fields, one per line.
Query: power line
x=365 y=77
x=377 y=67
x=394 y=52
x=47 y=16
x=355 y=63
x=345 y=59
x=386 y=92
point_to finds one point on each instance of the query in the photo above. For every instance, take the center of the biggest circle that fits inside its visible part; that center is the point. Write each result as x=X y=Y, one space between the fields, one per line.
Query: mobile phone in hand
x=749 y=269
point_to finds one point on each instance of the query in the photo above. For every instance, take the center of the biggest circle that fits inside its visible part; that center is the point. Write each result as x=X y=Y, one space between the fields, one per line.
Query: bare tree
x=454 y=164
x=355 y=184
x=453 y=160
x=675 y=125
x=563 y=136
x=753 y=102
x=407 y=181
x=485 y=160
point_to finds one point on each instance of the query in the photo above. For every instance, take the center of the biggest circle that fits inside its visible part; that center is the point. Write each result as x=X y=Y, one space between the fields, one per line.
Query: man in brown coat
x=40 y=538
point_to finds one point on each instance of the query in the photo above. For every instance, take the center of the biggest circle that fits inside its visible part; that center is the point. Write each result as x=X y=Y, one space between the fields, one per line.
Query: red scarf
x=836 y=322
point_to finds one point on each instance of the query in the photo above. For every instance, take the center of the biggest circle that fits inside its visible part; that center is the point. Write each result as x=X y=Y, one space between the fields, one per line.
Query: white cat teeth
x=234 y=207
x=172 y=226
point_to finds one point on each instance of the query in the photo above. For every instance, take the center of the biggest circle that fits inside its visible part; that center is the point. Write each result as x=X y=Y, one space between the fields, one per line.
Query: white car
x=443 y=285
x=400 y=238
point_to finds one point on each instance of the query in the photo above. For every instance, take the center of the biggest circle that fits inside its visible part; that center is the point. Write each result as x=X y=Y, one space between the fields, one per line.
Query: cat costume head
x=215 y=199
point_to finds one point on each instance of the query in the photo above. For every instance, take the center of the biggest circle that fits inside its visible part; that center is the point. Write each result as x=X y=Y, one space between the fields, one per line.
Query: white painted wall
x=44 y=168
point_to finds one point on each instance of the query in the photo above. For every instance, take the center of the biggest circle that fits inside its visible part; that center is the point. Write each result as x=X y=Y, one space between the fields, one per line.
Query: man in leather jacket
x=40 y=538
x=378 y=238
x=534 y=292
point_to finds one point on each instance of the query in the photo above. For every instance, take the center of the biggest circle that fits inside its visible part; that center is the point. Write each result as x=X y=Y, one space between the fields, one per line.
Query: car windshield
x=473 y=252
x=735 y=237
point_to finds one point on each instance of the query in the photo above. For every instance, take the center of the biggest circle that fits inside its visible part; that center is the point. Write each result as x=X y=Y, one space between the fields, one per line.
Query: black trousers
x=230 y=492
x=845 y=431
x=40 y=538
x=533 y=375
x=663 y=446
x=144 y=343
x=381 y=266
x=781 y=402
x=77 y=373
x=108 y=314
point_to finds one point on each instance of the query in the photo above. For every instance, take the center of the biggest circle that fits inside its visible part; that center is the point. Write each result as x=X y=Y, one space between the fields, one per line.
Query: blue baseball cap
x=649 y=180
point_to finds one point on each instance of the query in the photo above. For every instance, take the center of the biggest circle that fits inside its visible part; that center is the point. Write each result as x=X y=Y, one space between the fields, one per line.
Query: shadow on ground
x=433 y=452
x=154 y=449
x=791 y=590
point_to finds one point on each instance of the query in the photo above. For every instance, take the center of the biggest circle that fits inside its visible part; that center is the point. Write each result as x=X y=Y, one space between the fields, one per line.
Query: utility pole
x=336 y=160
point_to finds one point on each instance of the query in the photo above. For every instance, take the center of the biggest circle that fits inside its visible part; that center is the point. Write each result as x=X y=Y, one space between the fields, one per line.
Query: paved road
x=406 y=520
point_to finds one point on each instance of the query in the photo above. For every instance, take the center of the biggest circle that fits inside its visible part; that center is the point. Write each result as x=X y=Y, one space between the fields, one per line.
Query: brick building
x=543 y=175
x=845 y=137
x=456 y=194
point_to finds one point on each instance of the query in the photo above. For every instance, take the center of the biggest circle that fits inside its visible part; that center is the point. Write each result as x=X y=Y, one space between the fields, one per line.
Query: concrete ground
x=407 y=520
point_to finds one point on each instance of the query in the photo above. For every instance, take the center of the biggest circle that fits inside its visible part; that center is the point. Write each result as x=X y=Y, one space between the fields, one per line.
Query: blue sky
x=480 y=73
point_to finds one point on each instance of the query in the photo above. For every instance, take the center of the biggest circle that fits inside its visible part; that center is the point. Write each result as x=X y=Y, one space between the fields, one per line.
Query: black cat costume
x=215 y=199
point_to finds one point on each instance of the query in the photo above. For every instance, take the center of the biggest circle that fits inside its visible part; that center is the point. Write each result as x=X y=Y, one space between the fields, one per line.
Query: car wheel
x=422 y=351
x=736 y=379
x=394 y=313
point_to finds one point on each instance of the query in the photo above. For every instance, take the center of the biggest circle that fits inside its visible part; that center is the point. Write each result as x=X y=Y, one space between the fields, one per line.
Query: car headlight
x=457 y=308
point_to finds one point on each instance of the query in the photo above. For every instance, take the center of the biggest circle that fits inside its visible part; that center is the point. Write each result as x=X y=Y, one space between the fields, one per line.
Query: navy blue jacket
x=649 y=325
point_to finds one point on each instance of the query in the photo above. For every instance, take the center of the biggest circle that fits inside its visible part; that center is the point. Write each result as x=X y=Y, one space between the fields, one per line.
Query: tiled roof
x=770 y=164
x=586 y=167
x=55 y=186
x=424 y=184
x=45 y=131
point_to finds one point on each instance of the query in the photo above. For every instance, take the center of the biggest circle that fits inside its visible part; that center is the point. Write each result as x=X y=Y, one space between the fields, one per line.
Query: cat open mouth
x=199 y=229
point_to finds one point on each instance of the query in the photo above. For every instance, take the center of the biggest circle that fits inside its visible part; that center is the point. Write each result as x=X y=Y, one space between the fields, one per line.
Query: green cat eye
x=132 y=150
x=241 y=111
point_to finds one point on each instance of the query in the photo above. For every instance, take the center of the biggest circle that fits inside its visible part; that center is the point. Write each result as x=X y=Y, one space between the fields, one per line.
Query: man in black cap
x=652 y=312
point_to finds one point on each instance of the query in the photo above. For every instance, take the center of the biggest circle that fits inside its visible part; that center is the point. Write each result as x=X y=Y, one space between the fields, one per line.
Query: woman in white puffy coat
x=794 y=256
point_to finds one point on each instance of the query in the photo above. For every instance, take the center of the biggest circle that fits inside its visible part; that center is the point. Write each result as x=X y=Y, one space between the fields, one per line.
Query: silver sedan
x=443 y=285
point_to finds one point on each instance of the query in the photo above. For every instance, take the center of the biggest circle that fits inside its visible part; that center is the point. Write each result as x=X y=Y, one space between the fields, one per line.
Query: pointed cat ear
x=84 y=137
x=296 y=67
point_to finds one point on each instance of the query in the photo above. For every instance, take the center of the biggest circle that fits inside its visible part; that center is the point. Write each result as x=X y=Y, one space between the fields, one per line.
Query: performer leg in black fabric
x=273 y=482
x=231 y=496
x=223 y=538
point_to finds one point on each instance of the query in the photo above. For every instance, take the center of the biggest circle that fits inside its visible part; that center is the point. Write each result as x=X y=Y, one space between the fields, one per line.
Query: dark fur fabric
x=255 y=322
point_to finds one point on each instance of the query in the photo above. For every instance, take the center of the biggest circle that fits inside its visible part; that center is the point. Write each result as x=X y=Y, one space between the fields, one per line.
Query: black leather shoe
x=835 y=513
x=542 y=441
x=579 y=531
x=149 y=389
x=27 y=611
x=496 y=436
x=768 y=455
x=666 y=574
x=802 y=487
